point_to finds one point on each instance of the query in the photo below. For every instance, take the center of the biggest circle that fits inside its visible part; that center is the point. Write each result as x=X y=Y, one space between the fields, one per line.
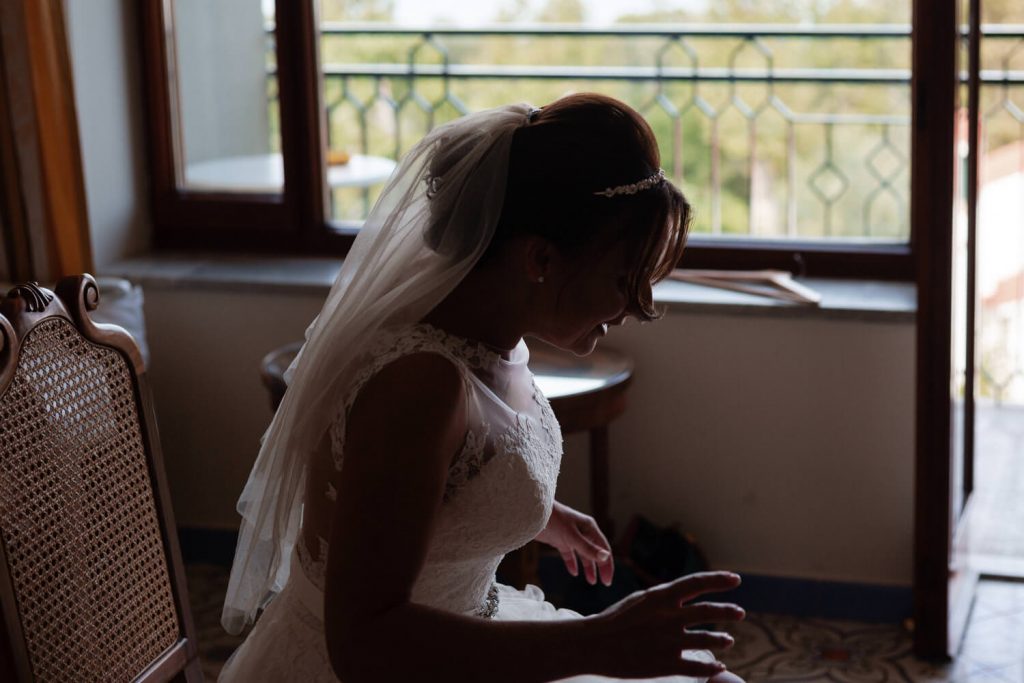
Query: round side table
x=272 y=369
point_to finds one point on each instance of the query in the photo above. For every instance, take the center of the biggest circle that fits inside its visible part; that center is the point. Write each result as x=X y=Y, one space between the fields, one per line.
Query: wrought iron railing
x=763 y=126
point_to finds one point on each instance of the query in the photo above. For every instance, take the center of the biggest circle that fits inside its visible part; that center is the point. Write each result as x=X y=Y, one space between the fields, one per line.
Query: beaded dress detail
x=497 y=497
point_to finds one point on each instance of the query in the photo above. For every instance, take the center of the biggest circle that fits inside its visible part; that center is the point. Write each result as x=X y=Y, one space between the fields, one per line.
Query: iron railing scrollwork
x=818 y=152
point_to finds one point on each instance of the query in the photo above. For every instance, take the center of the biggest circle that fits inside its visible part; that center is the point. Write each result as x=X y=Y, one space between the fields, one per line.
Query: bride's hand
x=644 y=635
x=575 y=534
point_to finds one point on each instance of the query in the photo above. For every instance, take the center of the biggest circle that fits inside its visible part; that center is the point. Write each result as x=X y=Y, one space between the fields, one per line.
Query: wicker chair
x=91 y=579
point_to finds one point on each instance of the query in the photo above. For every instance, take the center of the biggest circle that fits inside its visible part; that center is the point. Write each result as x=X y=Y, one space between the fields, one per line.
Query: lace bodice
x=500 y=485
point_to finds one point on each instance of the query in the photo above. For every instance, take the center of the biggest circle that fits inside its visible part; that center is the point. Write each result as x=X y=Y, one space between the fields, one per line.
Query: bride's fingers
x=589 y=550
x=711 y=612
x=593 y=534
x=699 y=668
x=692 y=586
x=598 y=557
x=590 y=570
x=569 y=557
x=607 y=570
x=707 y=640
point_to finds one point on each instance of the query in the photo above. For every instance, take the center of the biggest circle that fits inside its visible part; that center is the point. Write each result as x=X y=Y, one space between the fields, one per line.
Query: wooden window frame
x=294 y=222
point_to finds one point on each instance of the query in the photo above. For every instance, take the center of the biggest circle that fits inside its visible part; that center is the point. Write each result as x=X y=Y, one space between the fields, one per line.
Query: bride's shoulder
x=407 y=346
x=418 y=388
x=403 y=376
x=395 y=342
x=412 y=361
x=416 y=374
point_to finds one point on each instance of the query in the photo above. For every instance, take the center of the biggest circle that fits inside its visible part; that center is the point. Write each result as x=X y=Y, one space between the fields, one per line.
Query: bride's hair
x=571 y=149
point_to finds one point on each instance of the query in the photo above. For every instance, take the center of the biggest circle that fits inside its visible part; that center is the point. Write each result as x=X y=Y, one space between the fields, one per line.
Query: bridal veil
x=434 y=219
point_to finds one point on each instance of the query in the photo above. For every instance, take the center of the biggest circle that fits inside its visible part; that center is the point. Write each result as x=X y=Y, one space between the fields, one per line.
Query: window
x=233 y=102
x=274 y=126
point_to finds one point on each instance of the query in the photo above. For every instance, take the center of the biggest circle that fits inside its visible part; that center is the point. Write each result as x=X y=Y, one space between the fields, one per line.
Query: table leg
x=599 y=479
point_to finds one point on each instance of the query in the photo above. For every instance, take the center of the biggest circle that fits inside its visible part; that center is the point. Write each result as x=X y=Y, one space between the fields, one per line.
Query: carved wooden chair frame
x=25 y=307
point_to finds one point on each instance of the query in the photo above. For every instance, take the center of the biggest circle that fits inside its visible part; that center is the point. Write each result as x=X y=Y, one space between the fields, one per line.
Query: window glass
x=223 y=69
x=1000 y=267
x=780 y=120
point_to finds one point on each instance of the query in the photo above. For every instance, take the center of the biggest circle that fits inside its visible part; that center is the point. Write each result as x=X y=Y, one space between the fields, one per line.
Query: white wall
x=785 y=445
x=106 y=66
x=206 y=348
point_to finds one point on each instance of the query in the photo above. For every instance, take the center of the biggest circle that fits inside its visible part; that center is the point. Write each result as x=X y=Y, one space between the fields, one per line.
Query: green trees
x=817 y=158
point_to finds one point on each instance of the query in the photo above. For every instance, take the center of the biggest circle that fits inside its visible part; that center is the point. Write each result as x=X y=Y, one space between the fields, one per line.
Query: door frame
x=933 y=91
x=943 y=584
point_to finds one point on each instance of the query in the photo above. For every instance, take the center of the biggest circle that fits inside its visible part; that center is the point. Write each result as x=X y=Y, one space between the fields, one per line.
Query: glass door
x=963 y=574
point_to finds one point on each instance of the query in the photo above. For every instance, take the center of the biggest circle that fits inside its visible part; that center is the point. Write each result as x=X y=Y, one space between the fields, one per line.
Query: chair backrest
x=91 y=579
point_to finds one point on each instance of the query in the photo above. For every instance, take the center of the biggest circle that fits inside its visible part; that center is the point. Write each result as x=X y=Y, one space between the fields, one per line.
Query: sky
x=482 y=12
x=477 y=12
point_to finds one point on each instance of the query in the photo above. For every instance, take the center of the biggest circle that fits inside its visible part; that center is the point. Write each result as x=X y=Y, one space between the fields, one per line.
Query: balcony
x=775 y=132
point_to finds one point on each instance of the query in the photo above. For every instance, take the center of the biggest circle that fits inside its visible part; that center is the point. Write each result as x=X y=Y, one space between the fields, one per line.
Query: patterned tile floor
x=207 y=585
x=772 y=648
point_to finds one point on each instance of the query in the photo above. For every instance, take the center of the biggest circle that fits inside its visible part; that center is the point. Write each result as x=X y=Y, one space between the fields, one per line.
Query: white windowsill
x=866 y=300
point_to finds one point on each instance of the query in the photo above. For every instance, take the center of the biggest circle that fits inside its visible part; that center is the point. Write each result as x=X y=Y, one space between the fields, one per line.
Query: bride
x=412 y=449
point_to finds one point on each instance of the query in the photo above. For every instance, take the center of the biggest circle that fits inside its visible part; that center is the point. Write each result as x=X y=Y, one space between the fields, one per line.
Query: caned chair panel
x=90 y=579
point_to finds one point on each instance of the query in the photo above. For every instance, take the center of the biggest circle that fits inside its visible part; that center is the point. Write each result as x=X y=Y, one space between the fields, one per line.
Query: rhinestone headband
x=633 y=188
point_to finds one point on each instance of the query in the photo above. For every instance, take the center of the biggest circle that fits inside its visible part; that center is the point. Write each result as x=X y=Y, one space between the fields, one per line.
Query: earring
x=540 y=279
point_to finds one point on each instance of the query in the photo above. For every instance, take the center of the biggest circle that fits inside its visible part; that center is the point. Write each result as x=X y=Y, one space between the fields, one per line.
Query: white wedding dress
x=498 y=496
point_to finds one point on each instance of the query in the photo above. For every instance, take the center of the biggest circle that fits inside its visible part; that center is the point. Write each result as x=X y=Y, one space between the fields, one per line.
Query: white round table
x=264 y=173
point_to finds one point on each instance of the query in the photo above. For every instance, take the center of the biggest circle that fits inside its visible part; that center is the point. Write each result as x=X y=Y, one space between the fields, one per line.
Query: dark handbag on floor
x=658 y=554
x=646 y=555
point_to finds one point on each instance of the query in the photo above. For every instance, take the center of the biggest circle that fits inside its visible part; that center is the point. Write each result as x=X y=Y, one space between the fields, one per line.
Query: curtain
x=43 y=215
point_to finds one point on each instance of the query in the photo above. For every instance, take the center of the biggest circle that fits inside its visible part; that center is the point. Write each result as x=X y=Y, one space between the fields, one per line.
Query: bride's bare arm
x=402 y=433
